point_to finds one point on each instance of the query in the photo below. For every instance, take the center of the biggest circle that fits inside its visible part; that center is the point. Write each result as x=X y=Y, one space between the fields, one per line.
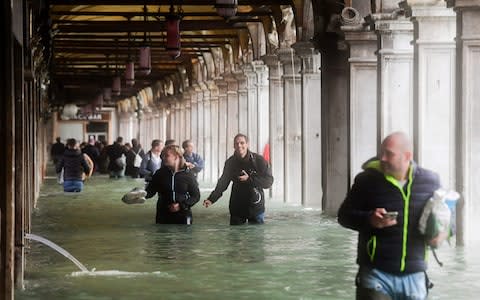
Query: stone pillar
x=395 y=73
x=293 y=125
x=468 y=110
x=232 y=109
x=200 y=144
x=194 y=113
x=172 y=124
x=277 y=161
x=183 y=117
x=214 y=125
x=162 y=124
x=311 y=124
x=242 y=103
x=363 y=97
x=224 y=148
x=187 y=96
x=178 y=119
x=434 y=86
x=335 y=118
x=207 y=133
x=262 y=105
x=252 y=132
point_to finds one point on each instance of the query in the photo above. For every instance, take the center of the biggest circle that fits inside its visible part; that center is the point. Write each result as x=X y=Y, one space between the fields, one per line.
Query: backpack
x=138 y=160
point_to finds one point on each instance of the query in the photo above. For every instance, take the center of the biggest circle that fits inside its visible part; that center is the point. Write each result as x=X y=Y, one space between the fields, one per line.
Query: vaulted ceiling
x=92 y=39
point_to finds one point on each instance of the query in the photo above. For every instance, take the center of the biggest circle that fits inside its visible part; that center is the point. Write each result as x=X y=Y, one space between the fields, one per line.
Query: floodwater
x=297 y=254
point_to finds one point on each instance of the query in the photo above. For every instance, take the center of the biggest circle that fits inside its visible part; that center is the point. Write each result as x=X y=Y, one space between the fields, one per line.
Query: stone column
x=172 y=121
x=363 y=97
x=162 y=123
x=252 y=132
x=242 y=102
x=434 y=86
x=395 y=73
x=187 y=96
x=277 y=161
x=178 y=119
x=200 y=144
x=293 y=125
x=194 y=113
x=335 y=118
x=214 y=124
x=185 y=117
x=262 y=105
x=311 y=124
x=232 y=109
x=181 y=105
x=207 y=133
x=224 y=148
x=468 y=110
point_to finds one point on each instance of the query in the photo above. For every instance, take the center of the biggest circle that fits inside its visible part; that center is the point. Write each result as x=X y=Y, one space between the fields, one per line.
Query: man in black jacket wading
x=384 y=205
x=250 y=174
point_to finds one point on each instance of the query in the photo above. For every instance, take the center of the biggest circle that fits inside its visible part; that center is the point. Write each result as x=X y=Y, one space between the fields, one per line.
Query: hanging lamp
x=98 y=102
x=107 y=94
x=145 y=60
x=173 y=33
x=129 y=66
x=226 y=8
x=117 y=81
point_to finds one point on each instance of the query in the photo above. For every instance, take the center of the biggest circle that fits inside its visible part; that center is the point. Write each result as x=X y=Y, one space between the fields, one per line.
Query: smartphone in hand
x=391 y=215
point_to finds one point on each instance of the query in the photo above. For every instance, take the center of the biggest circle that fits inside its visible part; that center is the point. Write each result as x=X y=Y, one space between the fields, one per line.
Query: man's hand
x=207 y=203
x=189 y=165
x=243 y=177
x=174 y=207
x=378 y=220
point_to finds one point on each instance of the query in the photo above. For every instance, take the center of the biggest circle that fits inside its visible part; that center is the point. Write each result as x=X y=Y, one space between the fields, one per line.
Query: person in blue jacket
x=193 y=160
x=384 y=205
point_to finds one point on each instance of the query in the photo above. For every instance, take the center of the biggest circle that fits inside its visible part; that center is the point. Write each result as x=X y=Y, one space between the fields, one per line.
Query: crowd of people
x=171 y=172
x=384 y=203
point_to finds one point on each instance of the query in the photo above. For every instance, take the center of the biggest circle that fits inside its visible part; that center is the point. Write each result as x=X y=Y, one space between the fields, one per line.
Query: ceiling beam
x=153 y=14
x=206 y=36
x=164 y=2
x=141 y=26
x=113 y=51
x=133 y=45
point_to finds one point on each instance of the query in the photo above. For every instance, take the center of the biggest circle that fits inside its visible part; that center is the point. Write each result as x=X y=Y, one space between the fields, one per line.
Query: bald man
x=384 y=205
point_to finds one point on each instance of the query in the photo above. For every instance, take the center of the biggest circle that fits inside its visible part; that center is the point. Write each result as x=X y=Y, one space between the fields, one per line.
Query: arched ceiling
x=90 y=38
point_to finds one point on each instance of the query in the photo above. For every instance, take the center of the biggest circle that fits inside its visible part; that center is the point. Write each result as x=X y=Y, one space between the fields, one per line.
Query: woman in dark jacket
x=74 y=165
x=177 y=189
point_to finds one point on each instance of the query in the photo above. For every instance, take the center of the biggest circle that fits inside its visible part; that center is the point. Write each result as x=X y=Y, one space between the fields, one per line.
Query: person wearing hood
x=250 y=174
x=176 y=187
x=74 y=166
x=384 y=205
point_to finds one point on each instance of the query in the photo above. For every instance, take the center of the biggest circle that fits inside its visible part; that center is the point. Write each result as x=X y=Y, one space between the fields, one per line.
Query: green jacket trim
x=406 y=201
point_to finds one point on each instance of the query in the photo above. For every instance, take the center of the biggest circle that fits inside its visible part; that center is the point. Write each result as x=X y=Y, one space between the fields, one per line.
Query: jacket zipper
x=406 y=204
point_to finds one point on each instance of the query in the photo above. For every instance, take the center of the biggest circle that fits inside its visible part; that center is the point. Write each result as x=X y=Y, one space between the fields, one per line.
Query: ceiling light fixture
x=226 y=8
x=173 y=32
x=145 y=61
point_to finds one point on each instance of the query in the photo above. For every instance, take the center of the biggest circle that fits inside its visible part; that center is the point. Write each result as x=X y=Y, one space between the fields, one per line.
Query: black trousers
x=180 y=217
